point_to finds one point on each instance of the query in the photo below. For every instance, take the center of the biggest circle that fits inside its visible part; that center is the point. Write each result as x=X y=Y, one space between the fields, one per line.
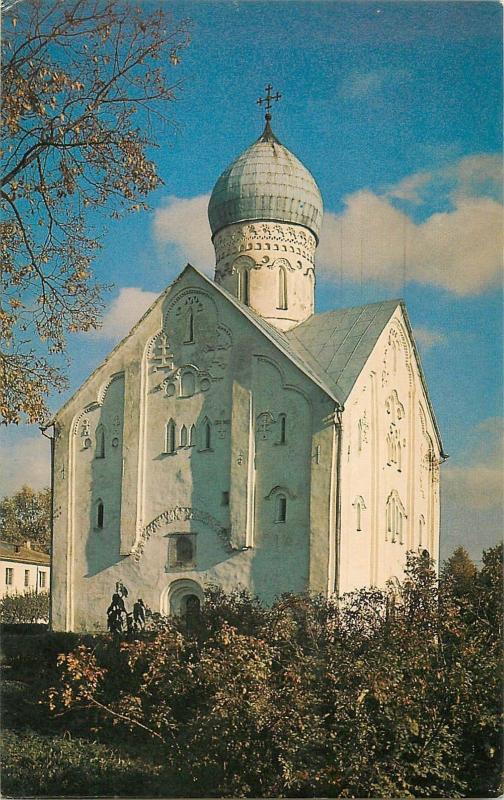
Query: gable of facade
x=391 y=452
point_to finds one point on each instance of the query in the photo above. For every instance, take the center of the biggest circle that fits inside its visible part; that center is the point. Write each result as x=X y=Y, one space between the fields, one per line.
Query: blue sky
x=396 y=110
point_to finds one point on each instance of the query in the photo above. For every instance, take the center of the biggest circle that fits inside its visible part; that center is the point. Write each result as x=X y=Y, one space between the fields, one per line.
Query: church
x=237 y=438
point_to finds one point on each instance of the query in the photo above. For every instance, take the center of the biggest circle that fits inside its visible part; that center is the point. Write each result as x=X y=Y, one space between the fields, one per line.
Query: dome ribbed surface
x=267 y=182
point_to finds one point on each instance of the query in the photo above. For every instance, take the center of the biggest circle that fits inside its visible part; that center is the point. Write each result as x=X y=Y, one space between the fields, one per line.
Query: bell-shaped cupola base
x=269 y=267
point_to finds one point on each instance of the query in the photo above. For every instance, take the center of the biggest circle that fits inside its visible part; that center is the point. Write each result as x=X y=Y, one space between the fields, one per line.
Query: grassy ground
x=44 y=756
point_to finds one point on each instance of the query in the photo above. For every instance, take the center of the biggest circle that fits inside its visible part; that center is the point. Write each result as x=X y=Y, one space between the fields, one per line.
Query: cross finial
x=269 y=97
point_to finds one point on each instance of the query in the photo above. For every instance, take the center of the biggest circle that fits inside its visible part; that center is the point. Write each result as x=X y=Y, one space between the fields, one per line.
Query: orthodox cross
x=162 y=354
x=269 y=97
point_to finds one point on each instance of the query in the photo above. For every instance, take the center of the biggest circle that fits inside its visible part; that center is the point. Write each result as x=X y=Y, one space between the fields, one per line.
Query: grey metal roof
x=266 y=182
x=337 y=344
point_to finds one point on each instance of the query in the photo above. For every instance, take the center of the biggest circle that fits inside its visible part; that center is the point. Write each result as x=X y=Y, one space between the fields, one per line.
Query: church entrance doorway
x=182 y=598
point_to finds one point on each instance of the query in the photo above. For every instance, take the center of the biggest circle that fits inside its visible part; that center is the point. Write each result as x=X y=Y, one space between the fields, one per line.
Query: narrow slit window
x=190 y=327
x=207 y=435
x=225 y=498
x=183 y=436
x=282 y=288
x=358 y=512
x=244 y=286
x=100 y=442
x=281 y=508
x=100 y=514
x=170 y=437
x=283 y=429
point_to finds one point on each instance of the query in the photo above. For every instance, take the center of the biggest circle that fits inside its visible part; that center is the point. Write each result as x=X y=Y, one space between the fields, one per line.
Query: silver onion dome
x=266 y=182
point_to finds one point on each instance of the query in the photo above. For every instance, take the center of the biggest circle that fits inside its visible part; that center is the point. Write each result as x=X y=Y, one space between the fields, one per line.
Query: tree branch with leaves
x=86 y=85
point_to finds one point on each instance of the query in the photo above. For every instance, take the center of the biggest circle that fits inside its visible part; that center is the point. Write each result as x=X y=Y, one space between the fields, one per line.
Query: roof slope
x=337 y=344
x=24 y=554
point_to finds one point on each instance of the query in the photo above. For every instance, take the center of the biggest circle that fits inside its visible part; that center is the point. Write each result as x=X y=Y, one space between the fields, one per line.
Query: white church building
x=236 y=437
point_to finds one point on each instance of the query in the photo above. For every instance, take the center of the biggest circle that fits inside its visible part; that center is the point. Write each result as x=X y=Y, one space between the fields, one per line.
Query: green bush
x=30 y=607
x=54 y=766
x=393 y=693
x=388 y=693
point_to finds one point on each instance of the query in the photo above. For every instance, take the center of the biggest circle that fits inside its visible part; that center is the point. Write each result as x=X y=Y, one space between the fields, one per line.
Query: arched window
x=281 y=508
x=244 y=286
x=283 y=429
x=100 y=514
x=187 y=384
x=192 y=435
x=184 y=550
x=189 y=337
x=183 y=436
x=282 y=288
x=206 y=437
x=395 y=516
x=170 y=444
x=100 y=442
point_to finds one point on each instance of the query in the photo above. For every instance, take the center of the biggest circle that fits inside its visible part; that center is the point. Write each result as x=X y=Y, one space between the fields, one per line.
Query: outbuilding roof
x=23 y=554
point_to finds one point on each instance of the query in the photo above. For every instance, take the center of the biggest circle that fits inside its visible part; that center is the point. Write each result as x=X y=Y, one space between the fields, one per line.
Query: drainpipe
x=338 y=421
x=51 y=439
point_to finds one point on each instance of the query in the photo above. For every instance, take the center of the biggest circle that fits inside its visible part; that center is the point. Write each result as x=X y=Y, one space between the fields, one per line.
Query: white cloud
x=360 y=84
x=458 y=250
x=472 y=496
x=128 y=307
x=25 y=462
x=471 y=176
x=427 y=338
x=478 y=485
x=183 y=224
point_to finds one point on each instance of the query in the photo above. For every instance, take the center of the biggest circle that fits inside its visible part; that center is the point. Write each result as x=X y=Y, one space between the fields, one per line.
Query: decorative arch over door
x=180 y=596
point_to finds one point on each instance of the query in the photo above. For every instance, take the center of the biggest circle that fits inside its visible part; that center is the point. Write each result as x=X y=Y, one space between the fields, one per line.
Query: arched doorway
x=183 y=598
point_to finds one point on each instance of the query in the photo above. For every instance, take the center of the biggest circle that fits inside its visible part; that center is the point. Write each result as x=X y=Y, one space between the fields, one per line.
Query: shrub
x=382 y=695
x=30 y=607
x=59 y=765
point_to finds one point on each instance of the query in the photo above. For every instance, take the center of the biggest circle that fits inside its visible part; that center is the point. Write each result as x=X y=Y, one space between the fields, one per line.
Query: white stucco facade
x=217 y=444
x=23 y=569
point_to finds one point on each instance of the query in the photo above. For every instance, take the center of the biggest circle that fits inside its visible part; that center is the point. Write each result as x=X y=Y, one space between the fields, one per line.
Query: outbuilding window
x=9 y=576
